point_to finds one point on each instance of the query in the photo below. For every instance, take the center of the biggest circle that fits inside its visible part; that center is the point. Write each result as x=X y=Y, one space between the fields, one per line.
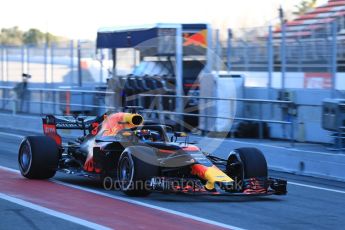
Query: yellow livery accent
x=133 y=119
x=213 y=174
x=119 y=121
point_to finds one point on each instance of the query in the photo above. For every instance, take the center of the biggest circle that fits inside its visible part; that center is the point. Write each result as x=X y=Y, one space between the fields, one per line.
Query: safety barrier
x=339 y=139
x=43 y=100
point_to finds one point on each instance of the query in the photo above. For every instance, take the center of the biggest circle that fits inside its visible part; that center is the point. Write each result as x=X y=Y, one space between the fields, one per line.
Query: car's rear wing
x=51 y=123
x=71 y=122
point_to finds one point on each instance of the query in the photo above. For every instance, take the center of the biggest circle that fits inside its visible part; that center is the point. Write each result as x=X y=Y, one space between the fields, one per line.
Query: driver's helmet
x=148 y=135
x=155 y=136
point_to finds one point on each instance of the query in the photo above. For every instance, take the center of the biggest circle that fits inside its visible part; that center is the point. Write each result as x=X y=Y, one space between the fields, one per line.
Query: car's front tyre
x=134 y=174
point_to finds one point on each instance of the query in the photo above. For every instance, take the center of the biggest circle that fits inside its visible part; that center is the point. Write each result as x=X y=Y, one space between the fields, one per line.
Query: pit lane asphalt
x=305 y=207
x=14 y=216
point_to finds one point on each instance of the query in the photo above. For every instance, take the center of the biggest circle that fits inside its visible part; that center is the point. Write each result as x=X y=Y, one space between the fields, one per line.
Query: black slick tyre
x=38 y=157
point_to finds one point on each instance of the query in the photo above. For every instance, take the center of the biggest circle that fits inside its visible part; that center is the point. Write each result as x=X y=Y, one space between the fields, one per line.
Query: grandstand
x=317 y=22
x=312 y=42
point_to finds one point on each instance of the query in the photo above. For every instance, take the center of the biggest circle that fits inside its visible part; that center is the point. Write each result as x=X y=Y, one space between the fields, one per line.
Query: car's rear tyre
x=134 y=175
x=38 y=157
x=246 y=163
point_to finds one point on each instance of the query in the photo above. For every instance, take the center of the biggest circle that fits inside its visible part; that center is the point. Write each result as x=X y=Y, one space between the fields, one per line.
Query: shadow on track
x=161 y=197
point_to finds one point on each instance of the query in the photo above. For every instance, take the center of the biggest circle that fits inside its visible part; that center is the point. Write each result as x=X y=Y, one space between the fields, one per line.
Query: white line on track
x=54 y=213
x=132 y=201
x=177 y=213
x=143 y=204
x=161 y=208
x=9 y=169
x=12 y=135
x=317 y=187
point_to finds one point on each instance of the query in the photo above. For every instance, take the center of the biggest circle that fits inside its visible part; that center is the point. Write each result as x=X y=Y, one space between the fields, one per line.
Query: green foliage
x=11 y=36
x=304 y=6
x=14 y=36
x=50 y=38
x=34 y=37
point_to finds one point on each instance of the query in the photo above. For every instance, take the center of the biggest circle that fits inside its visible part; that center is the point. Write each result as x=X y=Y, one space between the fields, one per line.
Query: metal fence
x=267 y=48
x=47 y=64
x=50 y=101
x=264 y=49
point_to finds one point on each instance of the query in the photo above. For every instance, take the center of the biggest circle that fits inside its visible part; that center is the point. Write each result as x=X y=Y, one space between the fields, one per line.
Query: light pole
x=283 y=48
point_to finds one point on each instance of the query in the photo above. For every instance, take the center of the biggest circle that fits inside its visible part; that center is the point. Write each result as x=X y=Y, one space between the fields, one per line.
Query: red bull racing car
x=139 y=158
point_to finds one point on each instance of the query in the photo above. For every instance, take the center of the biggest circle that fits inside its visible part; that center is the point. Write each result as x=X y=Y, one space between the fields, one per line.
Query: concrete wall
x=308 y=125
x=286 y=159
x=294 y=80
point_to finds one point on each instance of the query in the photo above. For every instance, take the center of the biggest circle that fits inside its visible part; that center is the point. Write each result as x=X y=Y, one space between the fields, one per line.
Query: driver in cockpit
x=148 y=135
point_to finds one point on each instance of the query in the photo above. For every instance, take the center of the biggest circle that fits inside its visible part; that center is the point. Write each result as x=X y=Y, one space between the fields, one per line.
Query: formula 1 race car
x=140 y=158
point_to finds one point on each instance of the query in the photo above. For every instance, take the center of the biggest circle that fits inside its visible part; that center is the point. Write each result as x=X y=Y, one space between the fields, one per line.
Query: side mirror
x=180 y=134
x=177 y=135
